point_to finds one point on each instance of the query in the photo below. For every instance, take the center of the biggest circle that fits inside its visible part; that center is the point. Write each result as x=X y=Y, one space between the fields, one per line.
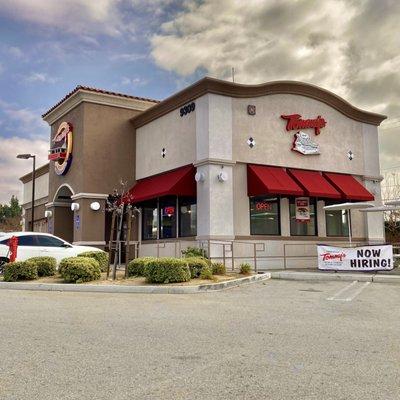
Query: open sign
x=169 y=211
x=263 y=206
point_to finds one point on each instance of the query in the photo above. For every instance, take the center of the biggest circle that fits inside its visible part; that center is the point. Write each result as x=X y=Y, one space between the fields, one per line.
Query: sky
x=153 y=48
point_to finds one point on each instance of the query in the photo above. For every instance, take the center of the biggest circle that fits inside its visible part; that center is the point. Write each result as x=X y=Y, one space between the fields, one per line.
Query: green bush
x=245 y=268
x=46 y=266
x=196 y=264
x=206 y=273
x=137 y=266
x=218 y=268
x=100 y=256
x=20 y=270
x=167 y=270
x=79 y=269
x=194 y=252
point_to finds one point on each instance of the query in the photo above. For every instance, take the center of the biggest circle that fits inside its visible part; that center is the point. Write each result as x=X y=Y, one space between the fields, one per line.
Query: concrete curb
x=69 y=287
x=331 y=276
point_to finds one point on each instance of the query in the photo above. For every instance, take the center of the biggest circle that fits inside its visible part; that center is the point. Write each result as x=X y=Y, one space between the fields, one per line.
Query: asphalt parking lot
x=271 y=340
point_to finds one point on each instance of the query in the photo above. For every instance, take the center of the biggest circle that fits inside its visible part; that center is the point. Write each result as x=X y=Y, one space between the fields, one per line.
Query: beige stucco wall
x=41 y=189
x=174 y=133
x=274 y=143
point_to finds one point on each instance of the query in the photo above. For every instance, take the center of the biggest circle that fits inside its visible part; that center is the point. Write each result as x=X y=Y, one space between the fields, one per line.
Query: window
x=49 y=241
x=167 y=217
x=264 y=216
x=149 y=220
x=337 y=222
x=298 y=228
x=187 y=217
x=27 y=240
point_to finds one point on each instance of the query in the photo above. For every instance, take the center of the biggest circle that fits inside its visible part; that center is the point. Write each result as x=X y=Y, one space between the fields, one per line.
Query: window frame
x=180 y=199
x=278 y=201
x=349 y=223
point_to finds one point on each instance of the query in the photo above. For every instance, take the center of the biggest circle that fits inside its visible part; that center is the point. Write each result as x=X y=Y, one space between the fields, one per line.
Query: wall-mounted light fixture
x=200 y=177
x=48 y=214
x=95 y=206
x=75 y=206
x=222 y=176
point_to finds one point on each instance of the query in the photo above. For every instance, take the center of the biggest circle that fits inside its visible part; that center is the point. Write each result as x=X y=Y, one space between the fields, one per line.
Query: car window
x=4 y=241
x=27 y=240
x=49 y=241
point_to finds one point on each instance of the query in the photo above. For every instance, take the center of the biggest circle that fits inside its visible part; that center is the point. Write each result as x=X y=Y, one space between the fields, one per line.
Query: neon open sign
x=263 y=206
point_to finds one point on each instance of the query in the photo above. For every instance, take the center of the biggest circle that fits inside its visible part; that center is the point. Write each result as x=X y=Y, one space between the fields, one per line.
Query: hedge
x=20 y=270
x=46 y=266
x=196 y=264
x=218 y=269
x=206 y=273
x=194 y=252
x=100 y=256
x=167 y=270
x=137 y=266
x=245 y=269
x=79 y=269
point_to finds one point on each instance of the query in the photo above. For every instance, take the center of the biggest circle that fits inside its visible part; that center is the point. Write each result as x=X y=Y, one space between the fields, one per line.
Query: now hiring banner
x=365 y=258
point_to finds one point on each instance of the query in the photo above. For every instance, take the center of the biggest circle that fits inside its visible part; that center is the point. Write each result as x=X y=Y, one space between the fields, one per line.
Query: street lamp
x=26 y=157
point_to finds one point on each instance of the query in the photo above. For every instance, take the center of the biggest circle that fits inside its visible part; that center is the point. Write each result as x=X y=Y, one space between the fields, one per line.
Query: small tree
x=10 y=215
x=391 y=191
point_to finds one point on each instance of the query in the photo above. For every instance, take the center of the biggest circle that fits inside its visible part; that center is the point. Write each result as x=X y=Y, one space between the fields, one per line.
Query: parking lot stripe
x=342 y=290
x=357 y=292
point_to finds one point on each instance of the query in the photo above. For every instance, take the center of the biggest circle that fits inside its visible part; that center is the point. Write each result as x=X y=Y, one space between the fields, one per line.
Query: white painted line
x=357 y=292
x=342 y=290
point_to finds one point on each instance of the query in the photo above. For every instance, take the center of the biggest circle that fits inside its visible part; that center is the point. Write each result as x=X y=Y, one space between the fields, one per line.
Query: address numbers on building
x=187 y=109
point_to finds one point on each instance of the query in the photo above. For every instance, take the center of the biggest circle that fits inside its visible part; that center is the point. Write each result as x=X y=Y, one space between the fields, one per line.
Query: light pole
x=26 y=157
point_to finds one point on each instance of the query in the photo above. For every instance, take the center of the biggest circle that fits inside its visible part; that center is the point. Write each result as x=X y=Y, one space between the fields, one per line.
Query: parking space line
x=342 y=290
x=357 y=292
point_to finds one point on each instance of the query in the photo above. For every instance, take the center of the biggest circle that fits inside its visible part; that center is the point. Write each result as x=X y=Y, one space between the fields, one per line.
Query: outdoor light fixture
x=392 y=202
x=222 y=176
x=75 y=206
x=48 y=214
x=200 y=177
x=95 y=206
x=26 y=156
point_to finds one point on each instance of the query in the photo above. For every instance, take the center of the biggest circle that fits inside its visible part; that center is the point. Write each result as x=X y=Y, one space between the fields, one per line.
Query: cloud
x=133 y=81
x=12 y=168
x=349 y=47
x=40 y=77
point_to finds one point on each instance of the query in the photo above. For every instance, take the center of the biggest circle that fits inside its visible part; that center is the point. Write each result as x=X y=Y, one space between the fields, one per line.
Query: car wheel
x=3 y=262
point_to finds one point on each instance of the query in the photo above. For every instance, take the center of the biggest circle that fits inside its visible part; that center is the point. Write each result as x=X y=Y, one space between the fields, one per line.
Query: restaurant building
x=243 y=170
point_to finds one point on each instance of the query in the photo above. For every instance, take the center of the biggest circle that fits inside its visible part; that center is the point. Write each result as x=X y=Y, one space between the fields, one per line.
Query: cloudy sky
x=153 y=48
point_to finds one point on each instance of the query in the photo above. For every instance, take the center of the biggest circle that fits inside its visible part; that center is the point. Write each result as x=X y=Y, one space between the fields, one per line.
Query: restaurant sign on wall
x=61 y=150
x=302 y=142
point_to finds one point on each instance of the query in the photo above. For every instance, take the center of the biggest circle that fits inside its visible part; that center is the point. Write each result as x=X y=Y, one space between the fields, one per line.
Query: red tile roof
x=95 y=90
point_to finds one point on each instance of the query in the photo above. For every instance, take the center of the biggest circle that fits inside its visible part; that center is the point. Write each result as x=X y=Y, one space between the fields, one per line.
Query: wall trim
x=82 y=95
x=43 y=170
x=57 y=204
x=236 y=90
x=215 y=161
x=38 y=202
x=89 y=243
x=89 y=196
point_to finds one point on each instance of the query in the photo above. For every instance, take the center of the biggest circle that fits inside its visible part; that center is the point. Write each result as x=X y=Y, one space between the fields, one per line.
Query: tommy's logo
x=302 y=142
x=333 y=256
x=61 y=150
x=295 y=123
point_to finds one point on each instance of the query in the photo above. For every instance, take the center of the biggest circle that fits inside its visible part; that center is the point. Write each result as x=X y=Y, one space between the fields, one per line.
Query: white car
x=36 y=244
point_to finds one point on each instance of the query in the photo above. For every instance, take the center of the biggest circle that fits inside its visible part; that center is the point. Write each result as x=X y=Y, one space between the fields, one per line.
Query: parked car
x=36 y=244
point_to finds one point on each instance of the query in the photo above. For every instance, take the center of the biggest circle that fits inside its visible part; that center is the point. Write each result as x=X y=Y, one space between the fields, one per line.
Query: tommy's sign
x=61 y=150
x=365 y=258
x=302 y=141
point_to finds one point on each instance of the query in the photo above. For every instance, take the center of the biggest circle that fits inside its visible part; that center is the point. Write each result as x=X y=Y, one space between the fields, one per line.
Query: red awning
x=179 y=182
x=263 y=180
x=350 y=188
x=314 y=184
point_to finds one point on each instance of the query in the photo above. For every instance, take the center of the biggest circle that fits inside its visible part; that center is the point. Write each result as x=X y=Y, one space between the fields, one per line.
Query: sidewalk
x=392 y=276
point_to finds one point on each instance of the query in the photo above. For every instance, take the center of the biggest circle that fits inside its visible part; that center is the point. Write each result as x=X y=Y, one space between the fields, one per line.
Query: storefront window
x=337 y=222
x=187 y=217
x=264 y=216
x=303 y=228
x=167 y=217
x=149 y=221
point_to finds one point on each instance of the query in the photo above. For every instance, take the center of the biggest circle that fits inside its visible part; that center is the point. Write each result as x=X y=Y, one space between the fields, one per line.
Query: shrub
x=137 y=266
x=46 y=266
x=218 y=269
x=100 y=256
x=20 y=270
x=245 y=268
x=167 y=270
x=79 y=269
x=196 y=264
x=194 y=252
x=206 y=273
